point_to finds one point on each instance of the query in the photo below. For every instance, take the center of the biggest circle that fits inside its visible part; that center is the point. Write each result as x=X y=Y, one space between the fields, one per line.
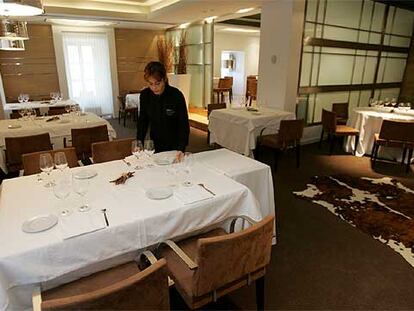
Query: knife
x=206 y=189
x=106 y=218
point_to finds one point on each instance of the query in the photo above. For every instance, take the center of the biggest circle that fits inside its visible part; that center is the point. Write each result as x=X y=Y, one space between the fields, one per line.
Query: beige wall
x=407 y=87
x=134 y=49
x=32 y=71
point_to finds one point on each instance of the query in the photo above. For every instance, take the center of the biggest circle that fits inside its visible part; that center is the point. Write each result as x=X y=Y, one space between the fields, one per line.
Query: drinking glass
x=61 y=190
x=59 y=96
x=46 y=165
x=136 y=148
x=53 y=95
x=22 y=112
x=67 y=108
x=149 y=147
x=61 y=161
x=26 y=98
x=81 y=186
x=20 y=98
x=187 y=165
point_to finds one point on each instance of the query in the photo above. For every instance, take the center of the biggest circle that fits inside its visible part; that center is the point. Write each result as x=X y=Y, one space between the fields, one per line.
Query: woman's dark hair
x=155 y=70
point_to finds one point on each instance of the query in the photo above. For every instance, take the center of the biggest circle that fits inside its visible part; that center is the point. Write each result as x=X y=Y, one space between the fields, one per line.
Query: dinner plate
x=39 y=223
x=159 y=193
x=164 y=158
x=14 y=126
x=85 y=174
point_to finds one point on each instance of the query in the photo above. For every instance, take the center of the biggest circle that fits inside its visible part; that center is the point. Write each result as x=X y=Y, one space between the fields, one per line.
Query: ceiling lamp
x=13 y=30
x=11 y=45
x=21 y=7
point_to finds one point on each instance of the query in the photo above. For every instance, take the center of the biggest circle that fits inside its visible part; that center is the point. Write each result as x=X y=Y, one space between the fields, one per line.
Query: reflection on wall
x=347 y=56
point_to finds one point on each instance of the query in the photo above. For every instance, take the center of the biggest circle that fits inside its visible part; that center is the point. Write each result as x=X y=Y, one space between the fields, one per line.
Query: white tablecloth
x=368 y=121
x=135 y=223
x=57 y=129
x=42 y=105
x=237 y=129
x=132 y=100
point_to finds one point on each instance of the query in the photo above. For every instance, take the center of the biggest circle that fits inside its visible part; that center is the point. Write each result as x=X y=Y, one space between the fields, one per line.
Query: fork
x=206 y=189
x=126 y=162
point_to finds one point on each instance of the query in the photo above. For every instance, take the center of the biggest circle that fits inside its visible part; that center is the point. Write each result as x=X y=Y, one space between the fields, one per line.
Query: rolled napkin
x=123 y=178
x=53 y=119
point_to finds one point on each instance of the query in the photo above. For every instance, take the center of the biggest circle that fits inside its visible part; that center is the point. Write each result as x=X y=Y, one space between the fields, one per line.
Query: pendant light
x=21 y=7
x=13 y=30
x=11 y=45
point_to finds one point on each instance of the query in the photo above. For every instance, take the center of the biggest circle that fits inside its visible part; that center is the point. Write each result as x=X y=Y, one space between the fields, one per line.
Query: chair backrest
x=225 y=83
x=211 y=107
x=31 y=160
x=111 y=150
x=291 y=131
x=397 y=130
x=251 y=87
x=17 y=146
x=341 y=110
x=328 y=121
x=227 y=258
x=83 y=138
x=230 y=80
x=145 y=290
x=53 y=111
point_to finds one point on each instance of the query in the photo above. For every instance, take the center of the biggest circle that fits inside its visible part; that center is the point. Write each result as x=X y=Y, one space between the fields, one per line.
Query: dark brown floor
x=320 y=261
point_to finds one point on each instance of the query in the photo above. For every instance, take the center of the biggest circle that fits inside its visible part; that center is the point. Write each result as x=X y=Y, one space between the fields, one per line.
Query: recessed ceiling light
x=210 y=19
x=241 y=11
x=183 y=26
x=82 y=23
x=241 y=30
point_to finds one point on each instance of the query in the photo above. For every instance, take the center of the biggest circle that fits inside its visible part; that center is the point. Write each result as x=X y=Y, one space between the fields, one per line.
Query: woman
x=163 y=108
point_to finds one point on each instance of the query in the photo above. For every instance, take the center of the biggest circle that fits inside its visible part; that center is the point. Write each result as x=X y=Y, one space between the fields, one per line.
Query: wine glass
x=67 y=108
x=46 y=165
x=61 y=190
x=26 y=98
x=20 y=98
x=22 y=113
x=149 y=147
x=81 y=186
x=61 y=161
x=136 y=148
x=187 y=164
x=59 y=96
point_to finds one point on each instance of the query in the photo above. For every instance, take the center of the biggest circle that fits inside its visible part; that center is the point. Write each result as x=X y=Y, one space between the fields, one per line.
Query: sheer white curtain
x=88 y=71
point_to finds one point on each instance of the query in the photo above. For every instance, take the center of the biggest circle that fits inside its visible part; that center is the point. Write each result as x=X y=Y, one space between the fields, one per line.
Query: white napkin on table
x=79 y=223
x=192 y=194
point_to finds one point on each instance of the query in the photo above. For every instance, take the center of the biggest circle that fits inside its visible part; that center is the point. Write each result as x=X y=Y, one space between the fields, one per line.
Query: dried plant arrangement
x=165 y=52
x=182 y=54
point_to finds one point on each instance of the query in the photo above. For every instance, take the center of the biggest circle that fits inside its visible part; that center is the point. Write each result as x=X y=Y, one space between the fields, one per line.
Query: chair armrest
x=37 y=299
x=246 y=218
x=184 y=257
x=150 y=257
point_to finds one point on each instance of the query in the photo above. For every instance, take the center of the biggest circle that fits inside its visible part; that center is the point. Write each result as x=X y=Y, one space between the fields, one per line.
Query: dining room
x=153 y=159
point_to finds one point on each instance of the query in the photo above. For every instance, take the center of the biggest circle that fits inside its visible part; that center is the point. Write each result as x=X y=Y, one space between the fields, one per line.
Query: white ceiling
x=150 y=14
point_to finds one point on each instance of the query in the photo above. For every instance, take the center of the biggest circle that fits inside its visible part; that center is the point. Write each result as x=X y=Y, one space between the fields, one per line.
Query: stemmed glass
x=20 y=98
x=149 y=147
x=187 y=162
x=46 y=165
x=81 y=186
x=62 y=191
x=61 y=161
x=26 y=98
x=67 y=108
x=136 y=148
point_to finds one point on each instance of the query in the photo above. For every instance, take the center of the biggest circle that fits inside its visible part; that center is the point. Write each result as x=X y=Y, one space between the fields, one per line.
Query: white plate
x=14 y=126
x=85 y=174
x=39 y=223
x=164 y=158
x=159 y=193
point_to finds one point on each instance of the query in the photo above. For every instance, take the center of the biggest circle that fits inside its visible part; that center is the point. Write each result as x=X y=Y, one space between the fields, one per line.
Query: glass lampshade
x=21 y=7
x=11 y=45
x=13 y=30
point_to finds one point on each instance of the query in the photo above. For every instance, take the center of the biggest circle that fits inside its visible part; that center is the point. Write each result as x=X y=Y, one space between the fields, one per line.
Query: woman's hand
x=179 y=157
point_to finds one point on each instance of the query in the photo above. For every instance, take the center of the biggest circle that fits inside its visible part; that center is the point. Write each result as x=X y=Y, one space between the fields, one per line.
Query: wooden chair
x=111 y=150
x=31 y=160
x=213 y=264
x=53 y=111
x=396 y=134
x=341 y=110
x=289 y=135
x=16 y=115
x=125 y=287
x=210 y=108
x=333 y=130
x=125 y=111
x=224 y=86
x=251 y=90
x=83 y=138
x=17 y=146
x=231 y=86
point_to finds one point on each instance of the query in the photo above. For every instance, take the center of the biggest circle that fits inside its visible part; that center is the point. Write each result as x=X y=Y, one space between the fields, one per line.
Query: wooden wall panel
x=32 y=71
x=407 y=86
x=134 y=49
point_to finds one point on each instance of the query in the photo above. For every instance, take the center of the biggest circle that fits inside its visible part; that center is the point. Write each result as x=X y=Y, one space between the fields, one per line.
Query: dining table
x=237 y=128
x=368 y=121
x=122 y=221
x=58 y=127
x=42 y=105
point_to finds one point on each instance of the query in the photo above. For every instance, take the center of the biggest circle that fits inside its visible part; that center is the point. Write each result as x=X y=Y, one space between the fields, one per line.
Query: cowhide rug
x=382 y=208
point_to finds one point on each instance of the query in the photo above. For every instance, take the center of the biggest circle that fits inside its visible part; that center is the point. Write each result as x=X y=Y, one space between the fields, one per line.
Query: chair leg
x=320 y=141
x=410 y=155
x=119 y=117
x=250 y=101
x=125 y=115
x=403 y=155
x=373 y=151
x=356 y=143
x=376 y=147
x=260 y=293
x=331 y=139
x=297 y=155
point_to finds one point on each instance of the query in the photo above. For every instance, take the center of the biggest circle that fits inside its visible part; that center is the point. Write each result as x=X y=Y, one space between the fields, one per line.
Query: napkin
x=192 y=194
x=79 y=223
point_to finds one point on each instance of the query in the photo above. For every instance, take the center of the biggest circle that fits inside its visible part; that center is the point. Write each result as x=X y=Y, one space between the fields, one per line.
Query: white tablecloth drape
x=368 y=121
x=42 y=105
x=237 y=129
x=136 y=222
x=58 y=129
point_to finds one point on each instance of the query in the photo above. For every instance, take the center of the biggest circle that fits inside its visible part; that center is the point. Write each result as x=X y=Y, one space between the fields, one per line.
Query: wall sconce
x=11 y=45
x=13 y=30
x=21 y=7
